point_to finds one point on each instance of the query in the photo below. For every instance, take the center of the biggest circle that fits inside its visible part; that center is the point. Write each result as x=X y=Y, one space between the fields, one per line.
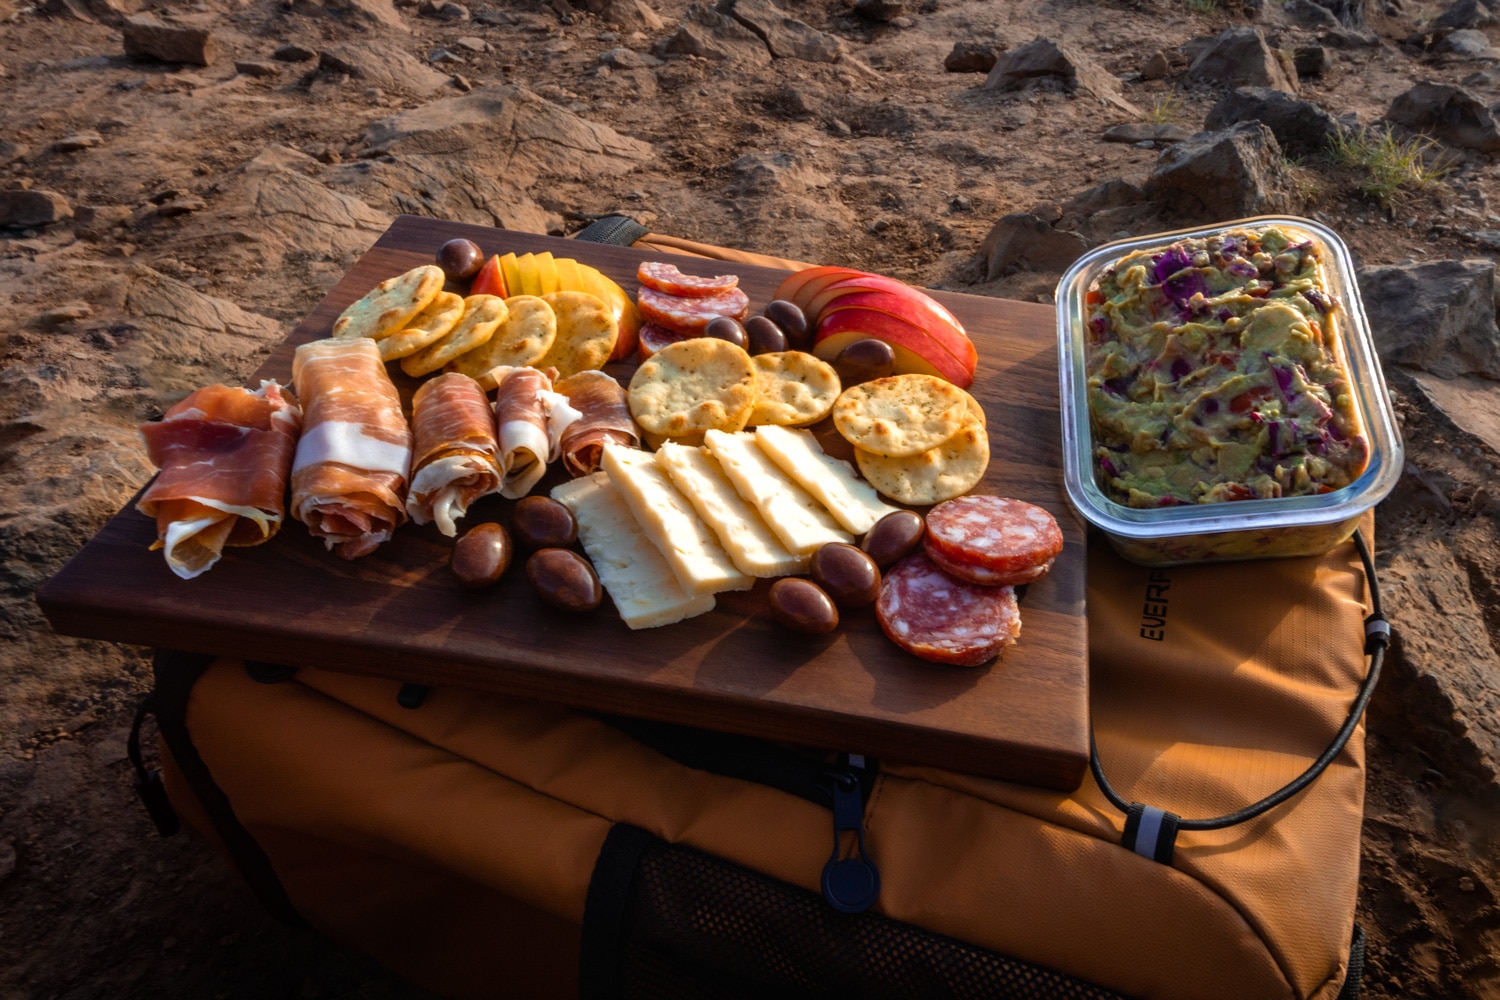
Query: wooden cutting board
x=399 y=613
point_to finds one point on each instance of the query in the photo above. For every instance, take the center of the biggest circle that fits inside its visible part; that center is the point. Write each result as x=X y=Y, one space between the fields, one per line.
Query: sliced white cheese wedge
x=852 y=501
x=744 y=534
x=635 y=575
x=798 y=520
x=669 y=521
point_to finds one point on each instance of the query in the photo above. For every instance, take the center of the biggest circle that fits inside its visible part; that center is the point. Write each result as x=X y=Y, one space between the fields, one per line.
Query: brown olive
x=564 y=579
x=893 y=537
x=481 y=555
x=763 y=336
x=542 y=523
x=803 y=606
x=847 y=574
x=726 y=328
x=460 y=259
x=864 y=361
x=793 y=323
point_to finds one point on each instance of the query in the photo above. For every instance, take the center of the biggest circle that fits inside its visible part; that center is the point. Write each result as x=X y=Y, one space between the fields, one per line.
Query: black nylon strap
x=615 y=230
x=604 y=911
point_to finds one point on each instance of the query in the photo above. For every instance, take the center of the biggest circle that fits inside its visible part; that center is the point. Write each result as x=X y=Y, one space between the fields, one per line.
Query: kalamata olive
x=762 y=336
x=726 y=328
x=803 y=606
x=542 y=523
x=847 y=574
x=789 y=317
x=564 y=579
x=864 y=361
x=481 y=555
x=893 y=537
x=460 y=259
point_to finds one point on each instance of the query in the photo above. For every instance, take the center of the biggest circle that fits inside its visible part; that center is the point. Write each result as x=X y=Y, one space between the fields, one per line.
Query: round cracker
x=427 y=327
x=793 y=389
x=975 y=410
x=693 y=386
x=521 y=341
x=900 y=416
x=951 y=469
x=390 y=305
x=586 y=333
x=482 y=315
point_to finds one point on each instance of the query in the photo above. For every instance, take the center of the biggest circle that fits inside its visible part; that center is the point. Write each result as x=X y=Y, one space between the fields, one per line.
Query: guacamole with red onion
x=1213 y=374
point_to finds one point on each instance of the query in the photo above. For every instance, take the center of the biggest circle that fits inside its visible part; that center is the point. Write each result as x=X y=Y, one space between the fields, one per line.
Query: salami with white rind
x=938 y=618
x=691 y=315
x=1009 y=541
x=667 y=279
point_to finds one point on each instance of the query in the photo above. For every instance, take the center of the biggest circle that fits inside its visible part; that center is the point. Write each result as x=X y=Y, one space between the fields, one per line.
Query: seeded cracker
x=586 y=333
x=691 y=387
x=482 y=315
x=794 y=389
x=900 y=416
x=951 y=469
x=521 y=341
x=390 y=305
x=426 y=328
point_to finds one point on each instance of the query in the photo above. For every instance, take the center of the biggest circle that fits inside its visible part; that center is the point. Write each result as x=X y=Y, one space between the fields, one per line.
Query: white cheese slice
x=798 y=520
x=635 y=575
x=744 y=534
x=852 y=501
x=669 y=521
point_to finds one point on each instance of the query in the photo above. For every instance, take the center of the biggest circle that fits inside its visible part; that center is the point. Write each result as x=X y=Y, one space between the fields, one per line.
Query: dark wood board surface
x=399 y=612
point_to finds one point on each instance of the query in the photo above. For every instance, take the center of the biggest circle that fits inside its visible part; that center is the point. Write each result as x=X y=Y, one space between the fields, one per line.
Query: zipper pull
x=850 y=884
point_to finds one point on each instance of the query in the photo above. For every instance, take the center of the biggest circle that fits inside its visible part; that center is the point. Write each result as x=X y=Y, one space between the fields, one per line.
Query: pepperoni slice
x=665 y=278
x=931 y=615
x=971 y=573
x=1011 y=540
x=690 y=315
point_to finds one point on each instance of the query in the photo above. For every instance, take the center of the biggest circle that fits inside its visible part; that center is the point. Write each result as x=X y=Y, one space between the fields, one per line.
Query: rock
x=1343 y=38
x=1312 y=60
x=471 y=44
x=375 y=12
x=1240 y=57
x=77 y=141
x=1145 y=132
x=1049 y=65
x=879 y=11
x=1221 y=175
x=1449 y=114
x=107 y=12
x=972 y=57
x=148 y=38
x=66 y=313
x=1463 y=14
x=1463 y=42
x=7 y=859
x=257 y=68
x=623 y=58
x=382 y=65
x=444 y=10
x=1438 y=316
x=32 y=208
x=180 y=205
x=706 y=33
x=93 y=222
x=1156 y=66
x=785 y=36
x=1301 y=127
x=291 y=52
x=11 y=151
x=1027 y=242
x=759 y=175
x=1308 y=14
x=1469 y=401
x=632 y=15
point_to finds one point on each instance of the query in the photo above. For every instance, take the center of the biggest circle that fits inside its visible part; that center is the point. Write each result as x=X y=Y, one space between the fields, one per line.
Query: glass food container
x=1198 y=427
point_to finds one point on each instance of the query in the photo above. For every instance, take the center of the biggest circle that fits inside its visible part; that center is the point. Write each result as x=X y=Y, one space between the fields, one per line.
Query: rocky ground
x=177 y=191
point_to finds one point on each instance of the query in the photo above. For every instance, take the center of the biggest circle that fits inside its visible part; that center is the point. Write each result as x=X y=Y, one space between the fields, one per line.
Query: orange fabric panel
x=671 y=244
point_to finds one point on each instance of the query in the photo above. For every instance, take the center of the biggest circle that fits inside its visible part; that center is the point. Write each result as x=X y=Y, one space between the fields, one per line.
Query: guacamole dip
x=1214 y=374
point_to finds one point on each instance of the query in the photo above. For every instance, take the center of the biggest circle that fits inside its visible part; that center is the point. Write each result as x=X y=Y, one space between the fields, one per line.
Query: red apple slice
x=948 y=335
x=801 y=285
x=917 y=350
x=881 y=283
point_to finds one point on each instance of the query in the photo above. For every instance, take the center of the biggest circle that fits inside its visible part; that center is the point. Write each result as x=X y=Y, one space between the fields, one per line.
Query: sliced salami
x=931 y=615
x=970 y=573
x=1012 y=541
x=665 y=278
x=691 y=315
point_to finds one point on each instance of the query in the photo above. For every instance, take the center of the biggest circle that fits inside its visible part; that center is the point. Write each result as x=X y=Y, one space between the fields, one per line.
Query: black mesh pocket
x=665 y=921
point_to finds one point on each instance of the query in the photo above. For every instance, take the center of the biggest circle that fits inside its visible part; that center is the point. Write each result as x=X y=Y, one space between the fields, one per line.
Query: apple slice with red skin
x=799 y=286
x=918 y=349
x=948 y=335
x=878 y=283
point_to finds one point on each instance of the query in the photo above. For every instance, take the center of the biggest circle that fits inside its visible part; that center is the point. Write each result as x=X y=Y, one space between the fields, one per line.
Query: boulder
x=785 y=36
x=1463 y=14
x=1024 y=241
x=1438 y=316
x=1156 y=66
x=1449 y=114
x=1463 y=42
x=33 y=208
x=879 y=11
x=1301 y=127
x=632 y=15
x=380 y=64
x=1240 y=57
x=972 y=57
x=381 y=13
x=1221 y=175
x=708 y=34
x=1312 y=60
x=148 y=38
x=1050 y=65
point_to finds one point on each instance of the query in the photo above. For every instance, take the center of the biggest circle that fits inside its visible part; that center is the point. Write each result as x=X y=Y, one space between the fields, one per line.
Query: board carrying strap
x=1152 y=832
x=613 y=230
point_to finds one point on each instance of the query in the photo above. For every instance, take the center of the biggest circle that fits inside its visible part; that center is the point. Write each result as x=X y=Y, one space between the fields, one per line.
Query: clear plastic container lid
x=1356 y=352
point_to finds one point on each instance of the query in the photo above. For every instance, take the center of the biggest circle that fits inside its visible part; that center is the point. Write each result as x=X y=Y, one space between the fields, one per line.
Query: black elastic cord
x=1377 y=637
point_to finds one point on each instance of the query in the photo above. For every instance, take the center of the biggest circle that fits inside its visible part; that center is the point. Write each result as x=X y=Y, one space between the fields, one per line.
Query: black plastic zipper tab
x=851 y=884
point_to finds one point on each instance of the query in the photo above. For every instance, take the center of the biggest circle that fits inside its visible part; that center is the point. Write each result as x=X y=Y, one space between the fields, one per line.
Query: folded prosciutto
x=457 y=459
x=349 y=476
x=532 y=418
x=224 y=455
x=604 y=416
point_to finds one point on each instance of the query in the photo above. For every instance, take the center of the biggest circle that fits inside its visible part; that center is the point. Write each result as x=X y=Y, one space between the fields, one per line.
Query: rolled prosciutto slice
x=457 y=458
x=531 y=417
x=349 y=476
x=224 y=455
x=603 y=416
